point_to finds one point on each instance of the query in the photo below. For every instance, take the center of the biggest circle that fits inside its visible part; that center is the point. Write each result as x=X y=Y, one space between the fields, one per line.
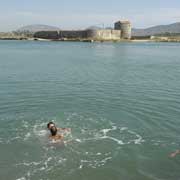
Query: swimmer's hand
x=172 y=155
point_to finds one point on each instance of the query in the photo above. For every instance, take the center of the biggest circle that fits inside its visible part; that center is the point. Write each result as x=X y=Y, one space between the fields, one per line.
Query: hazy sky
x=71 y=14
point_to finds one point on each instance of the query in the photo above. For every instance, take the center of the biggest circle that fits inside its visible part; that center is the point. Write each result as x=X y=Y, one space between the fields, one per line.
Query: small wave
x=94 y=163
x=44 y=165
x=115 y=136
x=78 y=140
x=111 y=136
x=105 y=131
x=138 y=139
x=106 y=134
x=27 y=136
x=22 y=178
x=29 y=164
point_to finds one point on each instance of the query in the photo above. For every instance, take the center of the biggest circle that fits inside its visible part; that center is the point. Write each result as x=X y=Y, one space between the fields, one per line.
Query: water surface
x=122 y=101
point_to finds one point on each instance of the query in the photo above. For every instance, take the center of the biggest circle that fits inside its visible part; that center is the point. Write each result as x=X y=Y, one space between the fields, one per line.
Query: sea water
x=121 y=100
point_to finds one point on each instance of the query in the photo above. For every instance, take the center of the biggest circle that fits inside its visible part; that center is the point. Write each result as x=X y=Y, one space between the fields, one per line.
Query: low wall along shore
x=105 y=34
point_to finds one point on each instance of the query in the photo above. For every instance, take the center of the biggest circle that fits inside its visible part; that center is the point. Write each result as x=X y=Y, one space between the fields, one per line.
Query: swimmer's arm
x=57 y=137
x=175 y=153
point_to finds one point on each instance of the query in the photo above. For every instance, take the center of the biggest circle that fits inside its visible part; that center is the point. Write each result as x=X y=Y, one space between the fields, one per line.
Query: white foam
x=42 y=168
x=94 y=163
x=84 y=161
x=106 y=159
x=27 y=136
x=29 y=164
x=49 y=159
x=105 y=131
x=120 y=142
x=107 y=153
x=123 y=128
x=139 y=139
x=25 y=124
x=22 y=178
x=78 y=140
x=62 y=160
x=136 y=140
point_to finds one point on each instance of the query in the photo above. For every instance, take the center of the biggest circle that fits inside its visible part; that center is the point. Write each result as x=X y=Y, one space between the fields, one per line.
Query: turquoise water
x=122 y=101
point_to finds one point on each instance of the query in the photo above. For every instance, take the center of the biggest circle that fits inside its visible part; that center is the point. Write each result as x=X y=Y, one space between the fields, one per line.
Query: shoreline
x=88 y=40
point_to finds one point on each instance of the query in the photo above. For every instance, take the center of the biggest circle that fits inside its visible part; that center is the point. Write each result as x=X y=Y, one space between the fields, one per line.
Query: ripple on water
x=91 y=146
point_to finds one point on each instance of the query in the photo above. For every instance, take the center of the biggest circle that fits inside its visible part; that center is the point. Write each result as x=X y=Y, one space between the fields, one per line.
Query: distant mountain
x=38 y=27
x=98 y=28
x=161 y=29
x=94 y=27
x=110 y=28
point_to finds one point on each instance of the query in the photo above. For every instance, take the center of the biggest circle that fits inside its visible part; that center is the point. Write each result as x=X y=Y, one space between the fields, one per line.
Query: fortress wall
x=122 y=30
x=71 y=34
x=116 y=34
x=104 y=34
x=91 y=34
x=47 y=35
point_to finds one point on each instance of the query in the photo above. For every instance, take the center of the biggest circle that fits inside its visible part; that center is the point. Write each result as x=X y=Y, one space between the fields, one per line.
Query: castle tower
x=125 y=27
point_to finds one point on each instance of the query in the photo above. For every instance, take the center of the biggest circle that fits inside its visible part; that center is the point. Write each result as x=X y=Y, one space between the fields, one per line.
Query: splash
x=77 y=152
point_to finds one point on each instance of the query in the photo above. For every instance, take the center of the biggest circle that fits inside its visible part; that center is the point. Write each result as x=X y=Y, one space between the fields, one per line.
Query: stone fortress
x=121 y=31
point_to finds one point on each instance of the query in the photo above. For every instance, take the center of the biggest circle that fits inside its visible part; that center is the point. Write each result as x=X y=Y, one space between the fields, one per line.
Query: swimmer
x=53 y=129
x=175 y=153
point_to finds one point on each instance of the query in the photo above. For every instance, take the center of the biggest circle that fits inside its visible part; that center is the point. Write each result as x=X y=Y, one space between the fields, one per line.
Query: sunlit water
x=121 y=100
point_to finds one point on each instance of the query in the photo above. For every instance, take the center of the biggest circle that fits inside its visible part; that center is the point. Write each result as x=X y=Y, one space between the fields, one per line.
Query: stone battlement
x=122 y=30
x=103 y=34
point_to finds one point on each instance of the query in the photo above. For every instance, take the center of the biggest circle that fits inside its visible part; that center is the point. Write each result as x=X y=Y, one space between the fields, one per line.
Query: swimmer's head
x=53 y=131
x=50 y=124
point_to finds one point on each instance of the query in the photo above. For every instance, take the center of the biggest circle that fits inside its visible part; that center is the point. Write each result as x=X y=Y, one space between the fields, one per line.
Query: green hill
x=38 y=27
x=161 y=29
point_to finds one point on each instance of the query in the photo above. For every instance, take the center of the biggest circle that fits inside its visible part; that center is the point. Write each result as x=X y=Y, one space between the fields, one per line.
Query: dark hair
x=53 y=131
x=49 y=124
